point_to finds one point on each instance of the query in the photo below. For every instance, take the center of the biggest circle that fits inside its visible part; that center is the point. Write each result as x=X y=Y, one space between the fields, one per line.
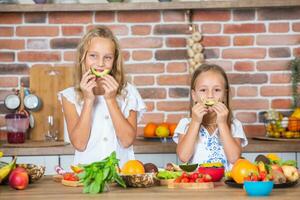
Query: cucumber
x=99 y=74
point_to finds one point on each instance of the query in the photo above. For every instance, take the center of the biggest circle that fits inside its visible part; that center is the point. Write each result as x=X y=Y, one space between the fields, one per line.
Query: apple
x=276 y=167
x=18 y=178
x=290 y=172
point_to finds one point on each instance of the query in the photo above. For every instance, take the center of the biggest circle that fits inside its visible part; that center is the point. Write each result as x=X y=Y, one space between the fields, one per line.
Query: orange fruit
x=241 y=169
x=149 y=130
x=172 y=128
x=162 y=131
x=132 y=167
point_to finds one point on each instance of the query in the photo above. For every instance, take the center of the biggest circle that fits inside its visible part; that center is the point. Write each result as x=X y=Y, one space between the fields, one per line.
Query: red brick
x=11 y=18
x=250 y=104
x=35 y=17
x=296 y=27
x=105 y=16
x=238 y=53
x=278 y=40
x=247 y=117
x=72 y=30
x=243 y=40
x=37 y=44
x=254 y=130
x=141 y=55
x=171 y=54
x=152 y=117
x=173 y=16
x=175 y=42
x=149 y=42
x=3 y=94
x=296 y=52
x=12 y=44
x=275 y=91
x=9 y=82
x=38 y=56
x=278 y=13
x=173 y=105
x=279 y=52
x=141 y=30
x=226 y=65
x=173 y=80
x=149 y=105
x=179 y=92
x=143 y=80
x=175 y=118
x=153 y=93
x=64 y=43
x=138 y=16
x=171 y=29
x=274 y=65
x=116 y=29
x=6 y=31
x=243 y=15
x=211 y=28
x=211 y=53
x=144 y=68
x=70 y=56
x=69 y=17
x=247 y=78
x=244 y=66
x=244 y=28
x=247 y=91
x=280 y=78
x=31 y=31
x=126 y=55
x=211 y=41
x=279 y=27
x=16 y=69
x=281 y=103
x=177 y=67
x=211 y=15
x=7 y=56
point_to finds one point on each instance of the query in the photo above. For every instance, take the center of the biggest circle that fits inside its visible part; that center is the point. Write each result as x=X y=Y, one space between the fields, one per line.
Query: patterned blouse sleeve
x=238 y=132
x=181 y=129
x=134 y=102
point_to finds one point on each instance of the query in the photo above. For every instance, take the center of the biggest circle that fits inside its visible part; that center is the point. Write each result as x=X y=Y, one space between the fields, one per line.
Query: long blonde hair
x=212 y=67
x=117 y=70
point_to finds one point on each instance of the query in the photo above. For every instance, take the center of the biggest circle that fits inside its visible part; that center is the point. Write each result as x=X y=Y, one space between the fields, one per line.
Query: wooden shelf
x=204 y=4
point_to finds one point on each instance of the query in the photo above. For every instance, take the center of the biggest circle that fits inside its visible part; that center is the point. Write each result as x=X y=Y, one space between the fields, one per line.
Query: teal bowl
x=258 y=188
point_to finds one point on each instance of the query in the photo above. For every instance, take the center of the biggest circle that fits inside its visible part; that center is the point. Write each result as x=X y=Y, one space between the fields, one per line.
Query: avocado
x=188 y=167
x=99 y=74
x=263 y=159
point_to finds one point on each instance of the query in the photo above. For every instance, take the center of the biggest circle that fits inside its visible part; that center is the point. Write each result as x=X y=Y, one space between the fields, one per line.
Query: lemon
x=273 y=157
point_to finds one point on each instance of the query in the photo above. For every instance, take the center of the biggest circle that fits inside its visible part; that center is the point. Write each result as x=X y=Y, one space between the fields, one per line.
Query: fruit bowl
x=216 y=173
x=258 y=188
x=35 y=172
x=140 y=180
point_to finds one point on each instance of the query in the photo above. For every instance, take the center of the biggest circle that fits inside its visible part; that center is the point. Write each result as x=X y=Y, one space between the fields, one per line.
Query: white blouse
x=103 y=140
x=209 y=148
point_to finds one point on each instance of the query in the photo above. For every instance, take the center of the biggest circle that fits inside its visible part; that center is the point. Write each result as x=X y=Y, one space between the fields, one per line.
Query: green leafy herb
x=96 y=175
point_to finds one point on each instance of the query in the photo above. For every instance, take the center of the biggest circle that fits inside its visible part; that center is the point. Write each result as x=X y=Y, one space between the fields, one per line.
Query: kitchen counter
x=46 y=189
x=142 y=146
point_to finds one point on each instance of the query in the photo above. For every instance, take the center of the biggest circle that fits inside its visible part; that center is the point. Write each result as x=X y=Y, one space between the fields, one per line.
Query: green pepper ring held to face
x=99 y=74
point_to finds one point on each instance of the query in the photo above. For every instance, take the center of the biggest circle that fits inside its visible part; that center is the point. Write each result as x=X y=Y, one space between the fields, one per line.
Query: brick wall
x=254 y=46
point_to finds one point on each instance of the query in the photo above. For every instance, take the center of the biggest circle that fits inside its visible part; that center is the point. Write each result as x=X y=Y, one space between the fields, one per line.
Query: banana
x=4 y=171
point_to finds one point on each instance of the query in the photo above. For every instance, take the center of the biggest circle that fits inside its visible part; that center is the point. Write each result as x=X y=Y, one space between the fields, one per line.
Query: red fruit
x=70 y=177
x=18 y=178
x=207 y=178
x=200 y=180
x=184 y=180
x=177 y=180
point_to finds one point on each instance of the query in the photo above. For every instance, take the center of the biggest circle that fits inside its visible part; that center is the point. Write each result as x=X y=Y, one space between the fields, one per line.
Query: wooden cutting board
x=45 y=82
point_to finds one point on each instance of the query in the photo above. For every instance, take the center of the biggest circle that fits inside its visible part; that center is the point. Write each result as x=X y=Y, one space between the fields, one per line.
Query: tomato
x=70 y=177
x=185 y=180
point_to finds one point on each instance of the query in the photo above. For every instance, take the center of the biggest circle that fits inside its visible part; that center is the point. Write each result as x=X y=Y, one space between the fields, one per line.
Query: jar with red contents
x=17 y=125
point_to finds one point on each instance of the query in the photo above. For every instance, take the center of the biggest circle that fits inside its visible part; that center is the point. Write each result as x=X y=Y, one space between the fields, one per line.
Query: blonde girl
x=101 y=113
x=210 y=134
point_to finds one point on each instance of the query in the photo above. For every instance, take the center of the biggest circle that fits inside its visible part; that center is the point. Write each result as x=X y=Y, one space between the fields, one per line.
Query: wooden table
x=46 y=189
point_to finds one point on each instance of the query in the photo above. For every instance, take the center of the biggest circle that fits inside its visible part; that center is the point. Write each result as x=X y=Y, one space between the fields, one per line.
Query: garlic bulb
x=194 y=51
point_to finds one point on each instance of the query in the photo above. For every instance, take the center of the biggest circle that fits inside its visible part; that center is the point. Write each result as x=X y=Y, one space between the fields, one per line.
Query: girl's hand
x=88 y=82
x=222 y=112
x=110 y=86
x=198 y=111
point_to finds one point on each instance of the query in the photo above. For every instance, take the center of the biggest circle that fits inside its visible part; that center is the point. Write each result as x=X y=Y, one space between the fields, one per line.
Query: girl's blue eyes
x=205 y=90
x=105 y=57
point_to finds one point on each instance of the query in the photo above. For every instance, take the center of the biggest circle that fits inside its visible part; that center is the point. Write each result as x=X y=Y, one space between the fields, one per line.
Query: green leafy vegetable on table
x=96 y=175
